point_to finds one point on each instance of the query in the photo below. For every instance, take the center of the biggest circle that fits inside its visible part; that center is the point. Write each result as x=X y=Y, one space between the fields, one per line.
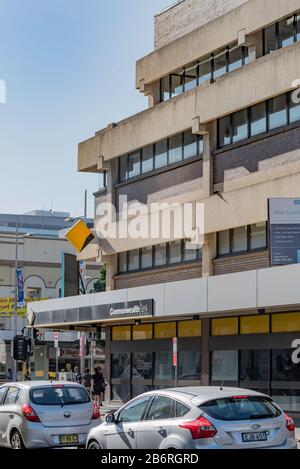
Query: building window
x=163 y=367
x=147 y=159
x=146 y=258
x=258 y=119
x=242 y=239
x=190 y=77
x=283 y=368
x=123 y=160
x=189 y=328
x=142 y=332
x=268 y=115
x=121 y=333
x=223 y=243
x=255 y=324
x=239 y=239
x=164 y=330
x=210 y=67
x=286 y=32
x=142 y=365
x=224 y=326
x=239 y=126
x=189 y=365
x=277 y=112
x=34 y=292
x=224 y=366
x=271 y=39
x=133 y=260
x=160 y=254
x=224 y=133
x=258 y=236
x=134 y=164
x=161 y=154
x=205 y=70
x=122 y=262
x=120 y=365
x=286 y=322
x=155 y=156
x=175 y=252
x=190 y=145
x=175 y=148
x=254 y=366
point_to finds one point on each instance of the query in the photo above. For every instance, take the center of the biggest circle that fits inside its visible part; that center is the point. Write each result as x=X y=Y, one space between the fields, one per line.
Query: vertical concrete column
x=111 y=270
x=208 y=135
x=208 y=254
x=107 y=363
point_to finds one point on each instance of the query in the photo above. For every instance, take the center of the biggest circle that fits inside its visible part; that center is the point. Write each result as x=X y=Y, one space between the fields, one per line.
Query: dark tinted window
x=161 y=408
x=134 y=411
x=120 y=365
x=189 y=365
x=224 y=131
x=12 y=396
x=240 y=408
x=254 y=365
x=2 y=393
x=283 y=368
x=181 y=409
x=277 y=112
x=270 y=39
x=142 y=365
x=175 y=148
x=286 y=32
x=258 y=119
x=161 y=154
x=59 y=395
x=239 y=126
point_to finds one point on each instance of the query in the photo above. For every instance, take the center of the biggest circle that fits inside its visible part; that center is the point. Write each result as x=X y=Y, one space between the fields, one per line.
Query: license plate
x=65 y=439
x=254 y=436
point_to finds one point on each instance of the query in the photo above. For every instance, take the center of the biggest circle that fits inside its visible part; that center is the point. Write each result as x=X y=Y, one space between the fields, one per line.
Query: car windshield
x=59 y=395
x=241 y=408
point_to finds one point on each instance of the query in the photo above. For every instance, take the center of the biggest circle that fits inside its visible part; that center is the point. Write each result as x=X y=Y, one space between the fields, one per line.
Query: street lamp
x=18 y=236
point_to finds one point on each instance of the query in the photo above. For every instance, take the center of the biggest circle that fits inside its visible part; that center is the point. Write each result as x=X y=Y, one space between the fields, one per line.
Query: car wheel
x=16 y=441
x=93 y=444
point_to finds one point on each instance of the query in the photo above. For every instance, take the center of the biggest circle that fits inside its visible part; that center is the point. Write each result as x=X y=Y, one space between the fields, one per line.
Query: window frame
x=238 y=253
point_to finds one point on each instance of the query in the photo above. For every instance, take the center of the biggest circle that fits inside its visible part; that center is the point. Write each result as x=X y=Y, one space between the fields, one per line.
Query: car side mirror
x=110 y=418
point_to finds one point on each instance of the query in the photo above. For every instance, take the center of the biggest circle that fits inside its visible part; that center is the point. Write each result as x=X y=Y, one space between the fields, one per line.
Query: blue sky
x=69 y=68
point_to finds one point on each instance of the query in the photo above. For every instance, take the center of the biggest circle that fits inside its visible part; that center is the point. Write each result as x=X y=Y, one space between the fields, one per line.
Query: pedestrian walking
x=87 y=380
x=77 y=376
x=98 y=386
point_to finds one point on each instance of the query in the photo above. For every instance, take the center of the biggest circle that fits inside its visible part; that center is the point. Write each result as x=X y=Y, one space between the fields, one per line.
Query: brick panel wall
x=162 y=183
x=282 y=146
x=166 y=274
x=240 y=263
x=187 y=15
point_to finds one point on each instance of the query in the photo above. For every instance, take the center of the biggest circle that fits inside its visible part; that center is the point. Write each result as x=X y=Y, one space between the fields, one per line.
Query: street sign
x=55 y=338
x=81 y=346
x=175 y=351
x=79 y=236
x=58 y=352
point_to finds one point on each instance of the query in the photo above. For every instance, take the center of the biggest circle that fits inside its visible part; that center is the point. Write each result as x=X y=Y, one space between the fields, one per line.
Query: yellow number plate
x=64 y=439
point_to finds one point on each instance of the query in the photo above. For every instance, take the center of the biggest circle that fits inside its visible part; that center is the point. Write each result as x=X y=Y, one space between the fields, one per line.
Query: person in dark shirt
x=98 y=386
x=87 y=380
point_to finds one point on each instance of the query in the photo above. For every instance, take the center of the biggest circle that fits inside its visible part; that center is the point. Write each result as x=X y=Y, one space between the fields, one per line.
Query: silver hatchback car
x=196 y=418
x=44 y=414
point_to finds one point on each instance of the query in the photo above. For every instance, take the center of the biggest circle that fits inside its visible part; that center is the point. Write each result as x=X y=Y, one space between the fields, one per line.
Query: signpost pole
x=15 y=371
x=55 y=338
x=175 y=361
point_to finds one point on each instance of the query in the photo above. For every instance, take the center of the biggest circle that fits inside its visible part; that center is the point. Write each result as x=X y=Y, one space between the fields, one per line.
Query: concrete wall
x=252 y=16
x=233 y=293
x=273 y=75
x=187 y=15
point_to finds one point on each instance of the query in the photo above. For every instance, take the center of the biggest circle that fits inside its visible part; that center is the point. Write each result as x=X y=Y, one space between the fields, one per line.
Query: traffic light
x=20 y=347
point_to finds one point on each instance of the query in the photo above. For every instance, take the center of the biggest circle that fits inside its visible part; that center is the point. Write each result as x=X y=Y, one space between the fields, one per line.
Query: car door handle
x=11 y=416
x=130 y=432
x=162 y=431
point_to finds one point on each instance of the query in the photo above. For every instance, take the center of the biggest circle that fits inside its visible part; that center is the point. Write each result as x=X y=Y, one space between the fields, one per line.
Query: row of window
x=157 y=256
x=276 y=36
x=254 y=324
x=228 y=365
x=159 y=330
x=260 y=324
x=242 y=239
x=282 y=33
x=258 y=119
x=158 y=155
x=210 y=68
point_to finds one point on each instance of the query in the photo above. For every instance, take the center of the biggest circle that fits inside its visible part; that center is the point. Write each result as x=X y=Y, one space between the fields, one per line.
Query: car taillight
x=96 y=412
x=290 y=425
x=200 y=428
x=29 y=413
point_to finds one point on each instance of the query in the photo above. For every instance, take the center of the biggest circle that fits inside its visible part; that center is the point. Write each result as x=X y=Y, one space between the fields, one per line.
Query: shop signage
x=284 y=231
x=175 y=351
x=111 y=311
x=7 y=306
x=55 y=339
